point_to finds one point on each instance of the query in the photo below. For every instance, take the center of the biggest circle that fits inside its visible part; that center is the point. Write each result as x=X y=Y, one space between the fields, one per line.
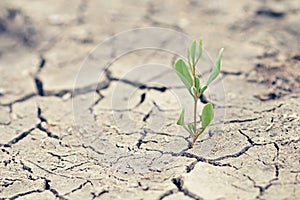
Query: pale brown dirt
x=45 y=156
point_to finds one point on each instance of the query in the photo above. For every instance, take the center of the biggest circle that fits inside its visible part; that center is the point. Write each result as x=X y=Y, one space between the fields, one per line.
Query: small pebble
x=66 y=96
x=166 y=139
x=82 y=35
x=14 y=116
x=69 y=130
x=2 y=91
x=44 y=125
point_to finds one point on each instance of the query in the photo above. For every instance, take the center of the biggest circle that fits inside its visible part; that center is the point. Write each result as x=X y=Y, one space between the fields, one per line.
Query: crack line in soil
x=168 y=193
x=40 y=125
x=79 y=187
x=24 y=194
x=178 y=182
x=53 y=191
x=18 y=138
x=241 y=120
x=99 y=194
x=57 y=174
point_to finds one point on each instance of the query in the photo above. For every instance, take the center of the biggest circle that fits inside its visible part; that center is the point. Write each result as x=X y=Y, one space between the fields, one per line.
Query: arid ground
x=115 y=136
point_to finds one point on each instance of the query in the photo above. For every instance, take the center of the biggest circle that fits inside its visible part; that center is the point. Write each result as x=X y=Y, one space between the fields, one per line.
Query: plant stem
x=194 y=138
x=195 y=101
x=195 y=115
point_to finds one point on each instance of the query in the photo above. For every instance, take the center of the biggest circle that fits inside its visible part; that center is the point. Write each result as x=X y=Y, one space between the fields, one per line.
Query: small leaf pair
x=207 y=117
x=192 y=53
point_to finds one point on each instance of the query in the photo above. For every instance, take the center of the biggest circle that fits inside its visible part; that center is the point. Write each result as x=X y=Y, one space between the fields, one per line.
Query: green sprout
x=187 y=74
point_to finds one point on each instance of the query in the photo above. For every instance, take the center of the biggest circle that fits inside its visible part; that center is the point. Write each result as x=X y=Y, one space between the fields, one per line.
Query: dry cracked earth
x=125 y=144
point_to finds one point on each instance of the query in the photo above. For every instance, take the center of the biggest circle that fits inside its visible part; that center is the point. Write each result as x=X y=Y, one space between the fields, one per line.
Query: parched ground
x=251 y=153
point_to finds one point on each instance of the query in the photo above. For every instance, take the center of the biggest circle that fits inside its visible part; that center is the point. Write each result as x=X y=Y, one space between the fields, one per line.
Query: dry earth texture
x=252 y=153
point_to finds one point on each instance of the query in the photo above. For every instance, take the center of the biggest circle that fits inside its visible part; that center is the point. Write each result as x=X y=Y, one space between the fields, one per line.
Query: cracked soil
x=253 y=152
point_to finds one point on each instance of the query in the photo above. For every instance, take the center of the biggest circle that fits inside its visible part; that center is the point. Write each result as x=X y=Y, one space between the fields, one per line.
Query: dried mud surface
x=44 y=155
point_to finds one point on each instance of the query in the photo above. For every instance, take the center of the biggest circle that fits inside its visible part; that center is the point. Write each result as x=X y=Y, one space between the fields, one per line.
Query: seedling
x=187 y=74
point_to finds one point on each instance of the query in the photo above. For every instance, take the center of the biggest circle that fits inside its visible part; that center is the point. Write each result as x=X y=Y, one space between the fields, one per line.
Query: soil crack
x=178 y=182
x=18 y=138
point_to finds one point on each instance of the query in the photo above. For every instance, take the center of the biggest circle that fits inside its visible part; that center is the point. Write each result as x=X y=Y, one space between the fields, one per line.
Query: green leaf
x=193 y=91
x=197 y=84
x=183 y=73
x=207 y=115
x=200 y=51
x=181 y=119
x=217 y=68
x=203 y=90
x=189 y=55
x=193 y=52
x=191 y=127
